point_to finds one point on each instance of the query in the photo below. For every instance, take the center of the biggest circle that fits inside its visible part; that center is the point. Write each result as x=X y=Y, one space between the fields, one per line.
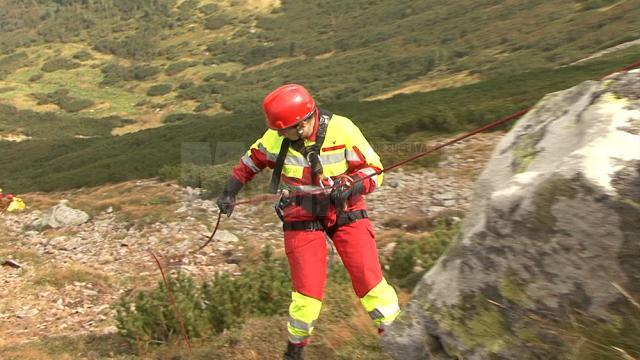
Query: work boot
x=294 y=352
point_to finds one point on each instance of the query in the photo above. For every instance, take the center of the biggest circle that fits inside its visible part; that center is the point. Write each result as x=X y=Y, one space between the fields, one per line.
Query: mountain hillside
x=144 y=60
x=78 y=76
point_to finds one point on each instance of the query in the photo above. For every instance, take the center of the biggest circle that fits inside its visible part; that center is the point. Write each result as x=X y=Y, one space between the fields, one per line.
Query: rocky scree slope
x=72 y=276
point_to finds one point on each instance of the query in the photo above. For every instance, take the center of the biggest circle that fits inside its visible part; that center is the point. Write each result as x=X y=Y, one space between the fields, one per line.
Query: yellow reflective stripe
x=293 y=331
x=381 y=303
x=303 y=312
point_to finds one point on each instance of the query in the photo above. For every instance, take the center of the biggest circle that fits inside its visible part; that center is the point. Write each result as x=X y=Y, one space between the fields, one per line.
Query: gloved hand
x=227 y=200
x=342 y=191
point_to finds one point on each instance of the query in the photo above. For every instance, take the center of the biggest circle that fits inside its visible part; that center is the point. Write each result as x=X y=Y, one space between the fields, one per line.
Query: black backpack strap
x=325 y=116
x=277 y=169
x=312 y=152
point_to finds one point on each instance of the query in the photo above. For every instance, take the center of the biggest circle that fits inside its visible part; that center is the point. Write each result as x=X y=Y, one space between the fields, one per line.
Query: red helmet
x=287 y=105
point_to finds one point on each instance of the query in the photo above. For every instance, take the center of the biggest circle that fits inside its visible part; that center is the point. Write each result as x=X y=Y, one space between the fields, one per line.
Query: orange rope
x=172 y=301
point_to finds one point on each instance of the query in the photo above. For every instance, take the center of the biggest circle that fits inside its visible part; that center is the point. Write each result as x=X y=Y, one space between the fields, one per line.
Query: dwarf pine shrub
x=208 y=308
x=159 y=89
x=413 y=258
x=59 y=64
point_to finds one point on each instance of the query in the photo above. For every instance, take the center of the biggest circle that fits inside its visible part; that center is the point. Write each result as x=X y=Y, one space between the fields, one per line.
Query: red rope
x=626 y=68
x=172 y=301
x=215 y=228
x=454 y=140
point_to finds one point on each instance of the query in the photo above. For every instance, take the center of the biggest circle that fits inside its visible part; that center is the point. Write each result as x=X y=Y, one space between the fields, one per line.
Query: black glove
x=227 y=200
x=341 y=192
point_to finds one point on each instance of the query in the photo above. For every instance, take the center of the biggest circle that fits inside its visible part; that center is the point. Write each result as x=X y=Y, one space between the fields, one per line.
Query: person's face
x=302 y=130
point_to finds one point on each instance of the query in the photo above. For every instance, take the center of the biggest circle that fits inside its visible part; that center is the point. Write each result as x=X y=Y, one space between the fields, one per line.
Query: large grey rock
x=60 y=216
x=551 y=245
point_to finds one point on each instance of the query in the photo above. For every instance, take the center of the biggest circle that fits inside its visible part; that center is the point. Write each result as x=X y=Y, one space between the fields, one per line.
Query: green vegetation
x=12 y=62
x=66 y=163
x=358 y=49
x=82 y=56
x=411 y=259
x=207 y=53
x=101 y=62
x=114 y=73
x=178 y=67
x=59 y=64
x=160 y=89
x=50 y=127
x=63 y=100
x=206 y=309
x=215 y=22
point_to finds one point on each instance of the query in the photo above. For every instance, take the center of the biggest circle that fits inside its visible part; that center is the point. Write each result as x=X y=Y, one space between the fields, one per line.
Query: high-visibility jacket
x=344 y=151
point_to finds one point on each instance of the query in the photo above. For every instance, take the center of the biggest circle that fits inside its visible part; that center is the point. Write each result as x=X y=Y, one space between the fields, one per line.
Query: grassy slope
x=59 y=164
x=342 y=50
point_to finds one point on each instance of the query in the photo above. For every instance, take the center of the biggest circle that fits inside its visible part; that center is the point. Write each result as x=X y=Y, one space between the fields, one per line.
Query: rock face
x=59 y=216
x=548 y=260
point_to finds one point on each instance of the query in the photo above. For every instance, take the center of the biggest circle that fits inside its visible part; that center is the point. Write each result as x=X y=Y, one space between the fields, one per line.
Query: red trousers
x=355 y=243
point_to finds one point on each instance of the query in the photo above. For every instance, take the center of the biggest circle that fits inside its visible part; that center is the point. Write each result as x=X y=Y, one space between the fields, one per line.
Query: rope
x=185 y=337
x=215 y=229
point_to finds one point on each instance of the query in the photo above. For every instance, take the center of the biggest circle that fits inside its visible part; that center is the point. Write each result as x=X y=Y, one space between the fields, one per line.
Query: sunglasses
x=297 y=125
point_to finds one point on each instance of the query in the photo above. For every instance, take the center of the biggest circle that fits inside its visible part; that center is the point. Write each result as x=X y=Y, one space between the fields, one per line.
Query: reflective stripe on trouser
x=303 y=313
x=382 y=304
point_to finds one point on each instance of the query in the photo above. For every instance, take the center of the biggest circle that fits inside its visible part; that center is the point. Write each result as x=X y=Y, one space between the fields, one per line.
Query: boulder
x=547 y=264
x=225 y=236
x=60 y=216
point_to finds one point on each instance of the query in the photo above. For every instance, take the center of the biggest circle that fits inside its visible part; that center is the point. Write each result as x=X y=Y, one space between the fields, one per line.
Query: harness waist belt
x=351 y=216
x=315 y=225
